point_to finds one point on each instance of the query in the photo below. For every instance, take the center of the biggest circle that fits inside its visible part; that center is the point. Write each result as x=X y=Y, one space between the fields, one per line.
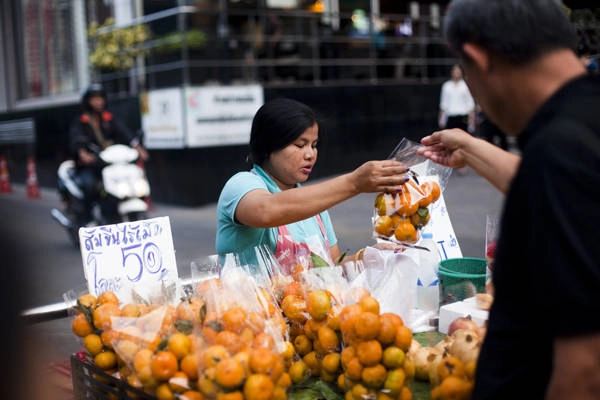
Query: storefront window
x=47 y=51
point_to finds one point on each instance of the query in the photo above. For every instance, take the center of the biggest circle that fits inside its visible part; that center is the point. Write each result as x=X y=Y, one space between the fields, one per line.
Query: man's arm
x=576 y=373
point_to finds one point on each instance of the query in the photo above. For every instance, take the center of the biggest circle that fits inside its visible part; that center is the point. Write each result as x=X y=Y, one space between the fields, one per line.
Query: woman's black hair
x=276 y=124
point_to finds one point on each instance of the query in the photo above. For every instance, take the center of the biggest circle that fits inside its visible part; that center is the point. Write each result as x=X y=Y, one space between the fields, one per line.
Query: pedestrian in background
x=521 y=67
x=457 y=108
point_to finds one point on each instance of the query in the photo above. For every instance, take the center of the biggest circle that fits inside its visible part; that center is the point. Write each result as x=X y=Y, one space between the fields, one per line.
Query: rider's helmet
x=91 y=90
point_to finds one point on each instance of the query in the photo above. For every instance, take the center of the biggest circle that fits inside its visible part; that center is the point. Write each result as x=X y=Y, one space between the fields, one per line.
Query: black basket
x=93 y=383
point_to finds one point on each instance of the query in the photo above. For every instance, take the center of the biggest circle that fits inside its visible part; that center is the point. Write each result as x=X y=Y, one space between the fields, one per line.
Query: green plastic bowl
x=461 y=278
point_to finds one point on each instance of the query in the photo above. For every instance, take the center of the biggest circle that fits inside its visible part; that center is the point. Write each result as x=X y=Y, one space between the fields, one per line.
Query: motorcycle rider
x=91 y=132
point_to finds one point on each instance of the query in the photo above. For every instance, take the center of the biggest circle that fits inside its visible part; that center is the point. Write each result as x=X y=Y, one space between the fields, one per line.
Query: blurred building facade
x=371 y=67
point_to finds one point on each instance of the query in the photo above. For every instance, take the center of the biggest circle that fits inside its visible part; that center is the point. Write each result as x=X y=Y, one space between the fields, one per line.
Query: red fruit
x=462 y=323
x=491 y=249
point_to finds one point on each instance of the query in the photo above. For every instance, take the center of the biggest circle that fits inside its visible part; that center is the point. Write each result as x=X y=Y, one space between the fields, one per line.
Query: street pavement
x=53 y=266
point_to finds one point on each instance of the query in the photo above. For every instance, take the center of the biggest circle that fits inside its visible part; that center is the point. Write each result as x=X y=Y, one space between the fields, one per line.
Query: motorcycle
x=123 y=184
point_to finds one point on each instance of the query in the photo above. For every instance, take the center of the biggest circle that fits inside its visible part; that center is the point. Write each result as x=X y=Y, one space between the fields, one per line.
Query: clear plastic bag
x=399 y=217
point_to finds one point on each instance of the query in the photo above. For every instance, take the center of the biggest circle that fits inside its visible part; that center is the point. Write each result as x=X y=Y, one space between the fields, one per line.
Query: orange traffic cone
x=33 y=188
x=5 y=186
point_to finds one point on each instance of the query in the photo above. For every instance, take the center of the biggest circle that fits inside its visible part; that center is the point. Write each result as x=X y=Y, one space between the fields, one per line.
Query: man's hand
x=142 y=152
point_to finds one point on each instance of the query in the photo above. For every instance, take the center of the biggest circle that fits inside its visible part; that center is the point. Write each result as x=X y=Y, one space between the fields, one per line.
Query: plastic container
x=461 y=278
x=428 y=291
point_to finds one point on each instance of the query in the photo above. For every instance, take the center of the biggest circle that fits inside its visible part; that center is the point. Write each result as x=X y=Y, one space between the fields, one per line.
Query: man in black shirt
x=543 y=334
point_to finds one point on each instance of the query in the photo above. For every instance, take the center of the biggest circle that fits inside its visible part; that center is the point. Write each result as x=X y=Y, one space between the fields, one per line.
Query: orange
x=230 y=340
x=229 y=373
x=126 y=349
x=294 y=308
x=388 y=326
x=331 y=363
x=453 y=387
x=311 y=327
x=298 y=371
x=191 y=395
x=93 y=344
x=164 y=392
x=470 y=368
x=406 y=205
x=425 y=198
x=130 y=311
x=384 y=203
x=206 y=384
x=258 y=387
x=287 y=350
x=318 y=304
x=244 y=358
x=353 y=368
x=405 y=394
x=313 y=362
x=262 y=360
x=179 y=344
x=179 y=382
x=142 y=360
x=451 y=365
x=394 y=382
x=109 y=337
x=367 y=326
x=106 y=360
x=234 y=319
x=189 y=366
x=103 y=314
x=87 y=300
x=347 y=354
x=369 y=303
x=393 y=357
x=348 y=317
x=284 y=381
x=369 y=352
x=359 y=391
x=406 y=231
x=237 y=395
x=403 y=338
x=432 y=188
x=295 y=288
x=303 y=345
x=374 y=376
x=256 y=322
x=191 y=309
x=163 y=365
x=384 y=225
x=328 y=339
x=263 y=339
x=107 y=297
x=213 y=354
x=81 y=326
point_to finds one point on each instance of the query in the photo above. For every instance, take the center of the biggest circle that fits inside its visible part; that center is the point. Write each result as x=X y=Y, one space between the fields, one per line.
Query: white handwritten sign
x=130 y=257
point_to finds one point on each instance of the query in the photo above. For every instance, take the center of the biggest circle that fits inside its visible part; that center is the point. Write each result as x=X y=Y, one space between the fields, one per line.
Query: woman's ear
x=479 y=57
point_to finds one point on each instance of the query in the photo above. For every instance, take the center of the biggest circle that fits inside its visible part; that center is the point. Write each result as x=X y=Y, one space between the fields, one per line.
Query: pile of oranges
x=353 y=346
x=187 y=351
x=401 y=215
x=206 y=348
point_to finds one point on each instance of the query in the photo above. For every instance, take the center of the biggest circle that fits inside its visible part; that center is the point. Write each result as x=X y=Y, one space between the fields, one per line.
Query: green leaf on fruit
x=318 y=261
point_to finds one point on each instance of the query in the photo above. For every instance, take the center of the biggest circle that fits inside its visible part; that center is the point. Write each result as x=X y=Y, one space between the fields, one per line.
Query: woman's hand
x=446 y=147
x=379 y=176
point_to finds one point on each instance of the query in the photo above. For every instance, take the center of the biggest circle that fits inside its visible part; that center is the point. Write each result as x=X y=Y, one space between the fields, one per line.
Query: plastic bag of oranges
x=399 y=217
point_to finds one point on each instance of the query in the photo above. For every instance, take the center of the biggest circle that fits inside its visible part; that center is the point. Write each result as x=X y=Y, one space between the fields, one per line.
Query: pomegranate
x=462 y=323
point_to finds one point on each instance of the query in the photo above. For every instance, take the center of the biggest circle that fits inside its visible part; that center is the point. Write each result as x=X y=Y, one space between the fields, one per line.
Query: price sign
x=129 y=258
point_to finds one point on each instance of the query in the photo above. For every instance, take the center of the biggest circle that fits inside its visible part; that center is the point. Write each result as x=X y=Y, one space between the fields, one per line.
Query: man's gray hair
x=517 y=31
